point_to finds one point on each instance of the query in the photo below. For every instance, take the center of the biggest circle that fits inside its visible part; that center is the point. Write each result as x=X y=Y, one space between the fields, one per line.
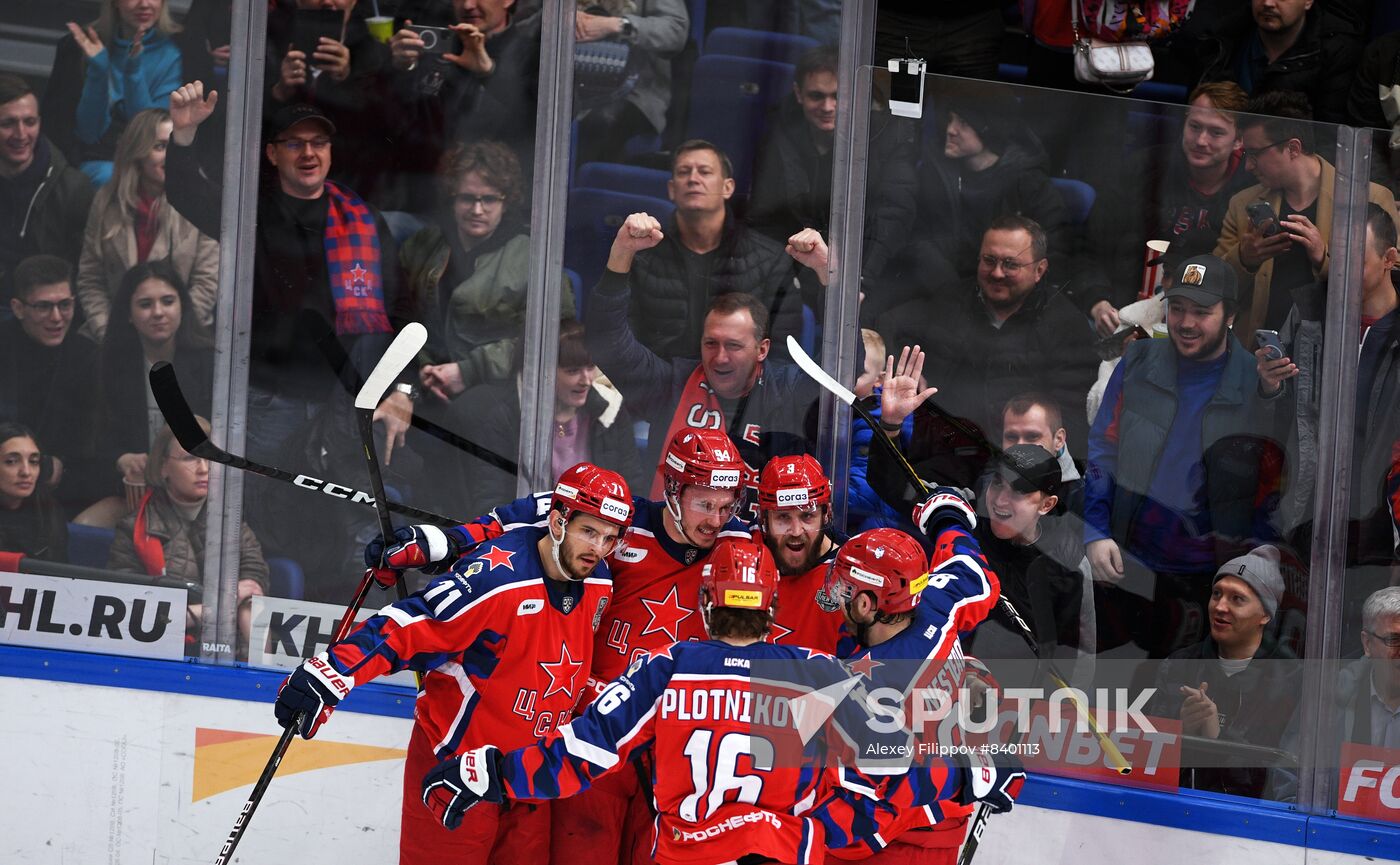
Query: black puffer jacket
x=672 y=286
x=1320 y=64
x=792 y=188
x=1045 y=346
x=1379 y=67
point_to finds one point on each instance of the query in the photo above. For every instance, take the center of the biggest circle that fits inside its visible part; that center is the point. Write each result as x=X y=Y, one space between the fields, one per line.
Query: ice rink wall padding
x=120 y=761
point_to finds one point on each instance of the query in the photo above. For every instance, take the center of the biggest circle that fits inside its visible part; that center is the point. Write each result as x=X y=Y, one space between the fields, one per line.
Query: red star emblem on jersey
x=776 y=634
x=865 y=666
x=666 y=615
x=663 y=652
x=496 y=557
x=562 y=673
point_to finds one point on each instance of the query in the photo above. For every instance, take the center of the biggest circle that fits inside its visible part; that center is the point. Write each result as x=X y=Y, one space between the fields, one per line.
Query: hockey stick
x=821 y=377
x=280 y=749
x=176 y=410
x=402 y=350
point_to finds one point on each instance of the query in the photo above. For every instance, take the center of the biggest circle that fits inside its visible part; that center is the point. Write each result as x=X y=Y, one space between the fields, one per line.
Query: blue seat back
x=594 y=217
x=1078 y=195
x=759 y=44
x=730 y=100
x=631 y=179
x=88 y=545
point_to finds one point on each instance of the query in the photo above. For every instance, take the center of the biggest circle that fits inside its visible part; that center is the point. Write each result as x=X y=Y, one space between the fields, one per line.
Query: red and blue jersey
x=961 y=592
x=505 y=650
x=656 y=583
x=727 y=782
x=805 y=616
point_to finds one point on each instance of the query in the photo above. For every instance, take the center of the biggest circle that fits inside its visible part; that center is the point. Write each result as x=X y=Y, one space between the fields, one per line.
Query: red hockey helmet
x=704 y=457
x=739 y=574
x=793 y=482
x=885 y=562
x=588 y=489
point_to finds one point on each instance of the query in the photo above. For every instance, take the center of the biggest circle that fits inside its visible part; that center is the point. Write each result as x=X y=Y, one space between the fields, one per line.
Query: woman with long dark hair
x=152 y=323
x=31 y=522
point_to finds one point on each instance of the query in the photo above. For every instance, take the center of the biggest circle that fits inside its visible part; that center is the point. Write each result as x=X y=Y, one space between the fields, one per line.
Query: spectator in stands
x=592 y=423
x=792 y=185
x=31 y=522
x=469 y=271
x=484 y=87
x=1295 y=381
x=1374 y=99
x=1297 y=183
x=1034 y=418
x=657 y=30
x=986 y=164
x=342 y=78
x=1037 y=558
x=320 y=250
x=763 y=406
x=1164 y=193
x=1375 y=721
x=1181 y=475
x=47 y=372
x=703 y=253
x=43 y=200
x=1287 y=46
x=1009 y=335
x=152 y=327
x=1239 y=684
x=164 y=536
x=94 y=92
x=131 y=223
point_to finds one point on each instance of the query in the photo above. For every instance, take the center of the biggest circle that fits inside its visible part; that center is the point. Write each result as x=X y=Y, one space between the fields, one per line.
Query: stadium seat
x=759 y=44
x=1011 y=73
x=630 y=179
x=594 y=217
x=286 y=578
x=696 y=10
x=1078 y=195
x=730 y=100
x=1159 y=91
x=88 y=545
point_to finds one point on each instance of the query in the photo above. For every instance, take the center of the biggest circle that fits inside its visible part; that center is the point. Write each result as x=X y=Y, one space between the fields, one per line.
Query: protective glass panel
x=397 y=153
x=109 y=263
x=1090 y=279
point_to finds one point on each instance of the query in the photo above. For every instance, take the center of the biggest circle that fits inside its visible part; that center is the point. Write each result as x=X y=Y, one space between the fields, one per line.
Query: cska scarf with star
x=352 y=264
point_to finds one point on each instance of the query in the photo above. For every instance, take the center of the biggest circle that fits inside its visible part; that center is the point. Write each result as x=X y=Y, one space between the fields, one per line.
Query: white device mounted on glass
x=907 y=86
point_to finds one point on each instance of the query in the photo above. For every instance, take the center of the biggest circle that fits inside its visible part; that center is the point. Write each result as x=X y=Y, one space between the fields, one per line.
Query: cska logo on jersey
x=497 y=557
x=666 y=615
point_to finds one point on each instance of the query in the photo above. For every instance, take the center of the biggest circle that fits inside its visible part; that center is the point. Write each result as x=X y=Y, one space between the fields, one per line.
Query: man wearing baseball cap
x=1036 y=557
x=1238 y=684
x=1176 y=481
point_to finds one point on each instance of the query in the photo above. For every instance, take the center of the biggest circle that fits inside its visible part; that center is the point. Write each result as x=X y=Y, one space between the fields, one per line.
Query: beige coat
x=1254 y=286
x=108 y=255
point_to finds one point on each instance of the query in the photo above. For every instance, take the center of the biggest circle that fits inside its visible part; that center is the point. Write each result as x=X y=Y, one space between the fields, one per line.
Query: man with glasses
x=48 y=371
x=1009 y=335
x=1375 y=717
x=44 y=201
x=1287 y=249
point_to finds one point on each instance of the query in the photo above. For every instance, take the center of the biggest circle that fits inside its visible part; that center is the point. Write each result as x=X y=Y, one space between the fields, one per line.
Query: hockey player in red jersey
x=720 y=794
x=794 y=518
x=898 y=611
x=504 y=642
x=656 y=580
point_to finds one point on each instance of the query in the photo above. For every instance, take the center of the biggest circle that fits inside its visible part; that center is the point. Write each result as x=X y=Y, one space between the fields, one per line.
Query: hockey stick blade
x=404 y=348
x=176 y=410
x=819 y=375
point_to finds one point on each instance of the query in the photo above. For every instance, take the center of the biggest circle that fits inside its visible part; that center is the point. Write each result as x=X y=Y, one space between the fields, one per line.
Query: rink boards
x=120 y=761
